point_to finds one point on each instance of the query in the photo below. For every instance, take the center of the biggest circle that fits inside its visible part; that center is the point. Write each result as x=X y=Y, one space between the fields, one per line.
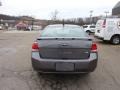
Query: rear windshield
x=85 y=26
x=63 y=32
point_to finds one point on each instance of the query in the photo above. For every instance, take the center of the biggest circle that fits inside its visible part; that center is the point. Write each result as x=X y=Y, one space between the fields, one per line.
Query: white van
x=108 y=30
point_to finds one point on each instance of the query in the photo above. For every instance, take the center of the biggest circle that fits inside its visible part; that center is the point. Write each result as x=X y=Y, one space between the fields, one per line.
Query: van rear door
x=100 y=27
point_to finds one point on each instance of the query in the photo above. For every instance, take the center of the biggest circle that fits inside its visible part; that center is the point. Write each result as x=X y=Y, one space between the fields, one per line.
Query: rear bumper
x=49 y=66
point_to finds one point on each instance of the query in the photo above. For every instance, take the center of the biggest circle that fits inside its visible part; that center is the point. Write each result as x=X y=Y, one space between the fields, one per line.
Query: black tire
x=115 y=40
x=88 y=32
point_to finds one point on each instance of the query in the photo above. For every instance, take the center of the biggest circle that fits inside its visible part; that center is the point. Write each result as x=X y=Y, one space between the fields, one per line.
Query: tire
x=115 y=40
x=88 y=32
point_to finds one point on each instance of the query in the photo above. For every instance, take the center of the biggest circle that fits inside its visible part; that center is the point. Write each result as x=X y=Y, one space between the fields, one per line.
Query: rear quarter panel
x=99 y=27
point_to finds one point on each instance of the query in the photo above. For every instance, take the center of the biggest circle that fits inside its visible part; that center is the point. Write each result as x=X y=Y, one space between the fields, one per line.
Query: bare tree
x=54 y=15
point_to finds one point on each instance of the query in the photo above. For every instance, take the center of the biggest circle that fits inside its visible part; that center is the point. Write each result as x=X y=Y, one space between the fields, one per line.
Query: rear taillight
x=104 y=23
x=35 y=46
x=94 y=47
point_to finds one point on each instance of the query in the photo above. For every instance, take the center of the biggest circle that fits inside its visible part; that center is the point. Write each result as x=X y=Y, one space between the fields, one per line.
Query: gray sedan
x=64 y=49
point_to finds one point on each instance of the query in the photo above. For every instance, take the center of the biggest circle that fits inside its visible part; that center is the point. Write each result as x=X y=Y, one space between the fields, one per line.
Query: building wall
x=116 y=11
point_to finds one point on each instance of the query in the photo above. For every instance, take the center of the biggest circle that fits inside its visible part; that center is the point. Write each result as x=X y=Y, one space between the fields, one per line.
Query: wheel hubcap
x=116 y=40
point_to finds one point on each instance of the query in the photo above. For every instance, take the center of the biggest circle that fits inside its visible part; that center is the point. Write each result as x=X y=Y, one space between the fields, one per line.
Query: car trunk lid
x=64 y=48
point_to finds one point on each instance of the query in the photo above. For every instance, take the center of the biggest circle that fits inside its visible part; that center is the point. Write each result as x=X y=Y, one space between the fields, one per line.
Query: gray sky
x=67 y=8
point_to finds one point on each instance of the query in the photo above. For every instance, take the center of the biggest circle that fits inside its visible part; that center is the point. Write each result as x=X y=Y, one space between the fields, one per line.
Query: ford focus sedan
x=64 y=49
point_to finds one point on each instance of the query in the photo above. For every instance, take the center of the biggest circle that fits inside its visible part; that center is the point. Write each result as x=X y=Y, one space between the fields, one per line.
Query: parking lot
x=16 y=71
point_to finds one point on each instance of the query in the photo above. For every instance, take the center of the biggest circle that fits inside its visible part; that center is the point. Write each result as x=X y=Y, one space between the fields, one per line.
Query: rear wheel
x=115 y=40
x=88 y=32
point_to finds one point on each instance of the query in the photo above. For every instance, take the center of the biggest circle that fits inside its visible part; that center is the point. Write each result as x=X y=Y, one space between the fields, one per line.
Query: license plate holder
x=64 y=66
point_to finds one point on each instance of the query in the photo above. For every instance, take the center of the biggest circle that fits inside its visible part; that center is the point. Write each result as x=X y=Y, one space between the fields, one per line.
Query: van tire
x=115 y=40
